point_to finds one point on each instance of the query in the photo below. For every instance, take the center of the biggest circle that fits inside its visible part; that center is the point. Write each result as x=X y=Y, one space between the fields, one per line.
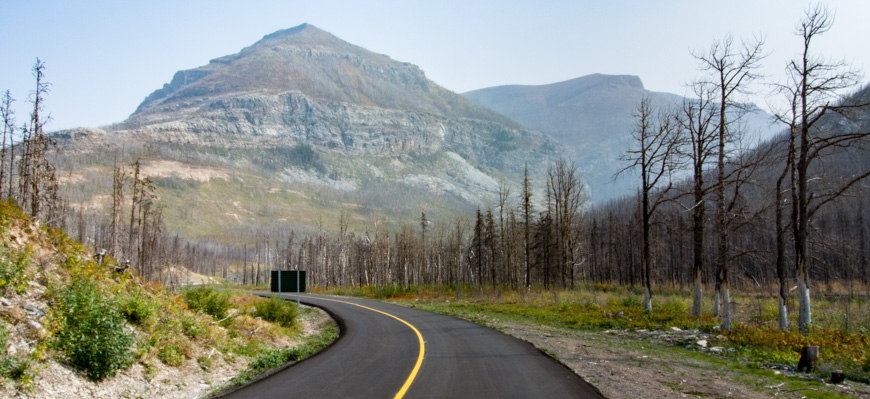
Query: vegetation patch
x=90 y=330
x=207 y=300
x=272 y=358
x=277 y=311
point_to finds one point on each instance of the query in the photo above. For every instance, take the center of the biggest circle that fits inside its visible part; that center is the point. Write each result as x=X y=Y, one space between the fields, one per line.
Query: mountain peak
x=305 y=29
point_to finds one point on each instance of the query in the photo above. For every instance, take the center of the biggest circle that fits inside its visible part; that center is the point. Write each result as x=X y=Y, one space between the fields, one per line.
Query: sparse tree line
x=790 y=177
x=27 y=176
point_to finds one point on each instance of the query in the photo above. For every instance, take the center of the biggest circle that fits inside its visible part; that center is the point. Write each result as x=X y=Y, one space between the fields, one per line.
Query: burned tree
x=654 y=155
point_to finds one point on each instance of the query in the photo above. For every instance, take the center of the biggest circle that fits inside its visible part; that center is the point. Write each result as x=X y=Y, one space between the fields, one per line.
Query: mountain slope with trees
x=592 y=117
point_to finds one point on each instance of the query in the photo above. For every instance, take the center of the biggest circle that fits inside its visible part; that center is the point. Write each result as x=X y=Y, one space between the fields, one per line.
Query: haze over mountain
x=592 y=117
x=303 y=117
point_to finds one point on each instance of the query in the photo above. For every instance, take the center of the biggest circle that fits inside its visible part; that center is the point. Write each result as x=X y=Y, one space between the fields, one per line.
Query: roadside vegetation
x=61 y=304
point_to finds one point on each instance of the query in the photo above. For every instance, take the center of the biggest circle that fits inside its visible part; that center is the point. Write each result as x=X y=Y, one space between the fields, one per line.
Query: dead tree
x=696 y=121
x=731 y=70
x=817 y=84
x=654 y=154
x=117 y=200
x=7 y=114
x=526 y=199
x=565 y=195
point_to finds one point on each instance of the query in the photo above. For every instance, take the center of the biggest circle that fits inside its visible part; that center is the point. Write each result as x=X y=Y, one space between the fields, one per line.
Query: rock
x=34 y=310
x=36 y=327
x=717 y=349
x=675 y=329
x=702 y=343
x=12 y=313
x=5 y=302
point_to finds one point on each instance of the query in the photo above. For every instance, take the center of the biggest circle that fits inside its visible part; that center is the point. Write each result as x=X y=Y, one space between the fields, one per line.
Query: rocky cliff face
x=304 y=85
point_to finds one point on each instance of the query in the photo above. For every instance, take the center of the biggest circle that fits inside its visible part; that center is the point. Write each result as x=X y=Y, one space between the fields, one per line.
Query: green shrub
x=136 y=308
x=171 y=352
x=12 y=271
x=632 y=301
x=207 y=300
x=277 y=311
x=192 y=327
x=674 y=305
x=91 y=330
x=10 y=366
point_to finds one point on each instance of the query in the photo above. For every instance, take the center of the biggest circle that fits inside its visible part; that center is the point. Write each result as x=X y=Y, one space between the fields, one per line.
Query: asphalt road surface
x=389 y=351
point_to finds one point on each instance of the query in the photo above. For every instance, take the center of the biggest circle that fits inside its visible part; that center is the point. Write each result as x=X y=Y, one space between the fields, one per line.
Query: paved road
x=389 y=351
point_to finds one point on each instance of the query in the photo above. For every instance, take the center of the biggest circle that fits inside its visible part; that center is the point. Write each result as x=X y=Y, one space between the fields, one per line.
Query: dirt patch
x=181 y=171
x=618 y=370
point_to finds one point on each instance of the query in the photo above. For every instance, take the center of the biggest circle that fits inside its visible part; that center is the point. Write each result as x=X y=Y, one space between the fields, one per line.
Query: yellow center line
x=419 y=338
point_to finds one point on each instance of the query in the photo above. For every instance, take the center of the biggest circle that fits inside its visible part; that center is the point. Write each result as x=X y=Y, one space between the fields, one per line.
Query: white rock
x=702 y=343
x=675 y=329
x=34 y=325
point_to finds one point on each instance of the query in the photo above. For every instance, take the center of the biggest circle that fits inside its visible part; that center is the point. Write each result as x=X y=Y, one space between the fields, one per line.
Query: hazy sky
x=104 y=57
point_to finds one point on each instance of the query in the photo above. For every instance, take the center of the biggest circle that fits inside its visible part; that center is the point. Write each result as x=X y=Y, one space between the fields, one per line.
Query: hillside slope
x=73 y=325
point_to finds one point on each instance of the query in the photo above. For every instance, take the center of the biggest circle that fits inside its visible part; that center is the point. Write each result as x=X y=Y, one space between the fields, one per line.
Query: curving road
x=389 y=351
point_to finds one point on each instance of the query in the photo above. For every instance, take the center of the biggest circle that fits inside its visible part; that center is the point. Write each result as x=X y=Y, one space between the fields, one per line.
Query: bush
x=192 y=327
x=674 y=305
x=173 y=351
x=10 y=366
x=632 y=301
x=207 y=300
x=91 y=330
x=12 y=271
x=276 y=310
x=137 y=309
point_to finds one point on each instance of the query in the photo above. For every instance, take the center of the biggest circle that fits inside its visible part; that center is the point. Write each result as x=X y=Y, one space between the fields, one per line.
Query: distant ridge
x=591 y=116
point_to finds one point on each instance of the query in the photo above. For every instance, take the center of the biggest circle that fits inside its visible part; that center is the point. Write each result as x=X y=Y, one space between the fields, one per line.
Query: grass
x=273 y=358
x=841 y=326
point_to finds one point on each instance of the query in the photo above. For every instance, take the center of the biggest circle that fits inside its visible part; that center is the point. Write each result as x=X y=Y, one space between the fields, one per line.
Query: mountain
x=592 y=117
x=302 y=117
x=314 y=62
